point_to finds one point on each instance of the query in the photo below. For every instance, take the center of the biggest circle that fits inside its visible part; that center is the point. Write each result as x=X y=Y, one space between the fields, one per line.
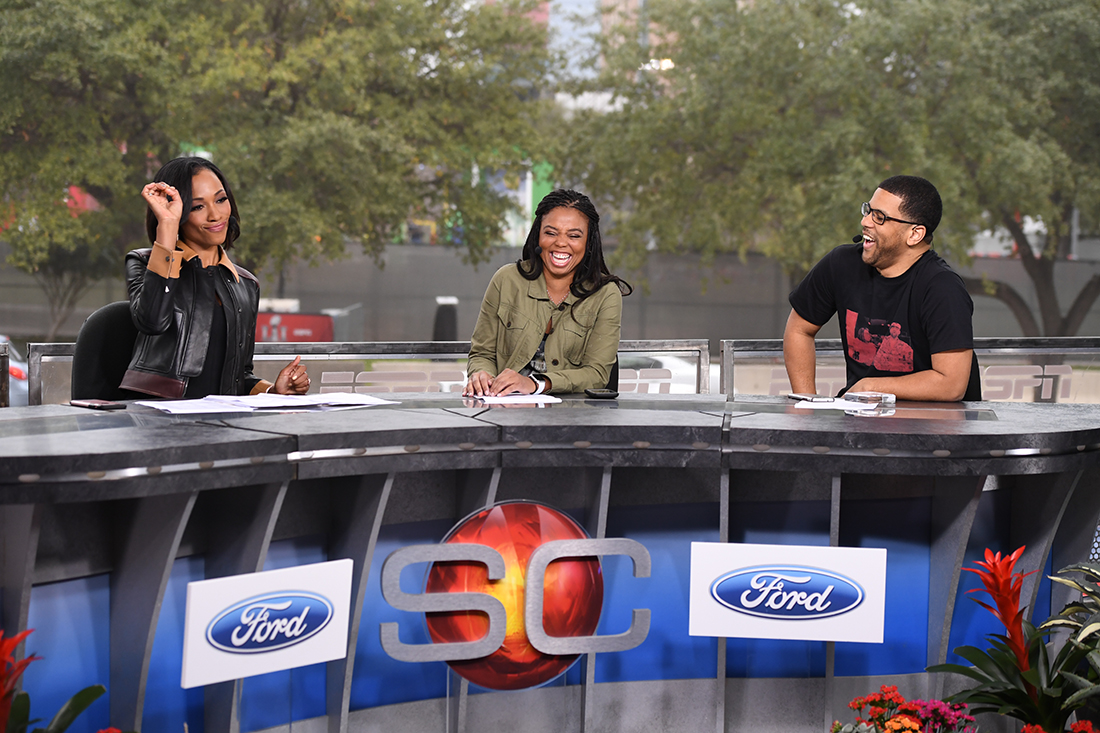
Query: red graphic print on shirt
x=878 y=343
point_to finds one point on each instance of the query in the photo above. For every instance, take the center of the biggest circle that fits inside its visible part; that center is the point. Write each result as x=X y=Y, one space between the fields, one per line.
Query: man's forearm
x=927 y=386
x=800 y=358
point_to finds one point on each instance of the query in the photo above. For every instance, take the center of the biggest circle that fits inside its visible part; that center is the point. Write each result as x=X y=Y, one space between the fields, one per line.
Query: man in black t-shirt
x=905 y=316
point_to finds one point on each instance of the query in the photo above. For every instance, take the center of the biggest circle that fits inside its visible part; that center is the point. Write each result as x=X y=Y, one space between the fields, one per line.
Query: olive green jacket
x=579 y=352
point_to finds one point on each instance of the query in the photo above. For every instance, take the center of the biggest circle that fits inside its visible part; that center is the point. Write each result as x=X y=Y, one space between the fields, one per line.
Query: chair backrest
x=102 y=353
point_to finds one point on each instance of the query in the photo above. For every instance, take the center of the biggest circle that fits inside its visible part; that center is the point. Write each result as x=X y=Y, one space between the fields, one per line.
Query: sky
x=569 y=34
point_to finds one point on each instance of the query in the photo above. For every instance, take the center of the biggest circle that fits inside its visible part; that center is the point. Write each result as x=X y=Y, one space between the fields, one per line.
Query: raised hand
x=164 y=201
x=293 y=378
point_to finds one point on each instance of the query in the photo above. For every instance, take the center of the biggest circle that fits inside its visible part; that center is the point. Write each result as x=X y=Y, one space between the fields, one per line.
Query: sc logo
x=513 y=597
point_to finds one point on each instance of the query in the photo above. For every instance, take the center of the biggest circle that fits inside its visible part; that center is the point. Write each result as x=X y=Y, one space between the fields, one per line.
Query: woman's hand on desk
x=479 y=385
x=293 y=379
x=512 y=382
x=507 y=382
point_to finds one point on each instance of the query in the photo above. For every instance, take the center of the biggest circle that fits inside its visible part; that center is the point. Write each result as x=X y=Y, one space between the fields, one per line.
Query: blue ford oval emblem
x=787 y=592
x=269 y=622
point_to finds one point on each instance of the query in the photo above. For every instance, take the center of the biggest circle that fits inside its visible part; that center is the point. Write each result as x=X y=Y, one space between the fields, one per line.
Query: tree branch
x=1080 y=307
x=1008 y=295
x=1041 y=272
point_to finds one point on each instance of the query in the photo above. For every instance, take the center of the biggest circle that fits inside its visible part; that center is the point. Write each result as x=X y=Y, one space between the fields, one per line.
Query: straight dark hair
x=592 y=273
x=178 y=174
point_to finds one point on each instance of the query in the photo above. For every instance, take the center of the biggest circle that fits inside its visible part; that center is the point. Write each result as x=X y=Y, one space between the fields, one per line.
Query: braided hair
x=592 y=273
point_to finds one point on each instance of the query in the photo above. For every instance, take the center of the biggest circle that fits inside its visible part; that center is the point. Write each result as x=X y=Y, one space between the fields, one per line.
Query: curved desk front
x=128 y=497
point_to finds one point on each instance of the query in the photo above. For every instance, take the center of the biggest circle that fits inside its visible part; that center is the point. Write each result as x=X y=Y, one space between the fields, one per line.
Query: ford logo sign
x=787 y=592
x=269 y=622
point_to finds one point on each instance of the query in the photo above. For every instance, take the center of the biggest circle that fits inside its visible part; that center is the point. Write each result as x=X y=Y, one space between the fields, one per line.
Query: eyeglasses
x=881 y=218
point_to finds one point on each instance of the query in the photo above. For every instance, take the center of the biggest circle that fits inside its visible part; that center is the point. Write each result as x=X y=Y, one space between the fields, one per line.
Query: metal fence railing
x=653 y=366
x=1065 y=369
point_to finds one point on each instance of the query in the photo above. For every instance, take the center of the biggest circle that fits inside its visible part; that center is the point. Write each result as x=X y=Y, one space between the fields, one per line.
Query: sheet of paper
x=267 y=400
x=193 y=407
x=251 y=403
x=521 y=399
x=837 y=405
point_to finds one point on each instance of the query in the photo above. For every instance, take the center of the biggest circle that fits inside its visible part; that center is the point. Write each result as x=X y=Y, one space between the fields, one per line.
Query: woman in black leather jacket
x=195 y=310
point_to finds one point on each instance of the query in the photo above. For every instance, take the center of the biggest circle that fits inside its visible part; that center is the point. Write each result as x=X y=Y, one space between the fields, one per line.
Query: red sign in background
x=298 y=327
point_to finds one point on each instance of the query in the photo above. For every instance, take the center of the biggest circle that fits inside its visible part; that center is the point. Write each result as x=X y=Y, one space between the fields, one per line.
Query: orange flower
x=902 y=723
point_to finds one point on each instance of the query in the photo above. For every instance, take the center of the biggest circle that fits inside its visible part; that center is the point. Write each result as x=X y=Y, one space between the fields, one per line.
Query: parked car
x=18 y=389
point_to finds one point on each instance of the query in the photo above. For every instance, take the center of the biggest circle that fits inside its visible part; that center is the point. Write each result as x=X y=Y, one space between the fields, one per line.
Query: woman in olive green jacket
x=550 y=322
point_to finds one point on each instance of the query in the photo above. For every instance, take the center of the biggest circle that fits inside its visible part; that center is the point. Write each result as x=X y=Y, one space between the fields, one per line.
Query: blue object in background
x=778 y=523
x=379 y=679
x=71 y=622
x=903 y=527
x=668 y=652
x=277 y=698
x=972 y=623
x=166 y=702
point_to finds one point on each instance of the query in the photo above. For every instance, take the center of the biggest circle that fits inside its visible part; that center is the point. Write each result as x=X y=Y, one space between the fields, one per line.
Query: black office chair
x=102 y=354
x=974 y=387
x=613 y=378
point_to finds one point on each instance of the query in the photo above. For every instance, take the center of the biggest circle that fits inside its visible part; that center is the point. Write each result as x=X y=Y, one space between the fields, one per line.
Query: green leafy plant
x=1080 y=617
x=1017 y=676
x=15 y=707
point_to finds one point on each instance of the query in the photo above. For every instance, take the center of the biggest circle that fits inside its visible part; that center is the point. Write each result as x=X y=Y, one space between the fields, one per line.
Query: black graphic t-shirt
x=889 y=326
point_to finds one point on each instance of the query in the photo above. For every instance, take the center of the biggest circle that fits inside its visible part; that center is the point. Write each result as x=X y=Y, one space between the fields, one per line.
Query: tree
x=335 y=120
x=778 y=118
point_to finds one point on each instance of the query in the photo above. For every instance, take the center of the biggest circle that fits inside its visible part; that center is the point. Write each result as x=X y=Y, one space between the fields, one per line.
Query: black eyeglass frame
x=865 y=209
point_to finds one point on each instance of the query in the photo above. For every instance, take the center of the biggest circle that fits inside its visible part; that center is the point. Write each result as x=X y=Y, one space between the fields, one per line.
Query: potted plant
x=1018 y=676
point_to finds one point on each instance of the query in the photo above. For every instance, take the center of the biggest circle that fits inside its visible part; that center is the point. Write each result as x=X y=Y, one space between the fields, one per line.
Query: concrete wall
x=742 y=299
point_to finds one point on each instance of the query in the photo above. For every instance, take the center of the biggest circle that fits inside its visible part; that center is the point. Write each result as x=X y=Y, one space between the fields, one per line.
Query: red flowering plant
x=10 y=672
x=1083 y=726
x=1017 y=676
x=15 y=707
x=887 y=711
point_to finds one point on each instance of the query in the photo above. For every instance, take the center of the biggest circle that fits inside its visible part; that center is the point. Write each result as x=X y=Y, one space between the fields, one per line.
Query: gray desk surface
x=58 y=444
x=436 y=456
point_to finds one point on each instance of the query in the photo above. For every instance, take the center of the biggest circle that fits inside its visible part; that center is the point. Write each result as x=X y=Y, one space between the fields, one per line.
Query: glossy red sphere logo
x=572 y=600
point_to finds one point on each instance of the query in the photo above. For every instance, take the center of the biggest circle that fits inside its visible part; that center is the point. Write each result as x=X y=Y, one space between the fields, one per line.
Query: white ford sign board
x=257 y=623
x=787 y=592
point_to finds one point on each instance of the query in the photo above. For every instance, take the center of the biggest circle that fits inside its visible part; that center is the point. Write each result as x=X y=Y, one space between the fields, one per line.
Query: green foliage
x=779 y=118
x=1052 y=687
x=1058 y=687
x=335 y=120
x=19 y=718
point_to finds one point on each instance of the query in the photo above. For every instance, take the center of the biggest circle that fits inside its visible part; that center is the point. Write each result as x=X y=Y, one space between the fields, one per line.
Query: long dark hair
x=178 y=174
x=592 y=273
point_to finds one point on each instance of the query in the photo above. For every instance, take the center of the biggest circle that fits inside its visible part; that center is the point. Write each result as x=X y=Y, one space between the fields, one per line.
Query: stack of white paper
x=266 y=401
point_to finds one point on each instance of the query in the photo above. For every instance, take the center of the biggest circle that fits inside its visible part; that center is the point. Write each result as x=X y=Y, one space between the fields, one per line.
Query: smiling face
x=208 y=220
x=886 y=247
x=562 y=239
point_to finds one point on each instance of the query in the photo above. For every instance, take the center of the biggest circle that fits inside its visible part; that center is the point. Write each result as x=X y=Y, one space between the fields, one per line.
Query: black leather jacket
x=173 y=318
